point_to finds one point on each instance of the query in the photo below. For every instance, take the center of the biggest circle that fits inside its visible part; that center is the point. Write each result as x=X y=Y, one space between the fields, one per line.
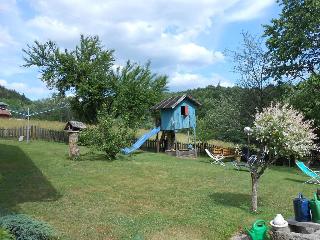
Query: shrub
x=24 y=227
x=5 y=235
x=109 y=136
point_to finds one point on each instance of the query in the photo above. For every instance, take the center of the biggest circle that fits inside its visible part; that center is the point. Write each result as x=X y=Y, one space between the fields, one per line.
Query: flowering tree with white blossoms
x=279 y=130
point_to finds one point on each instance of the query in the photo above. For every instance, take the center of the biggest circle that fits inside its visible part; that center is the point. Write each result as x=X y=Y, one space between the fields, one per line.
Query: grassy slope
x=153 y=195
x=12 y=123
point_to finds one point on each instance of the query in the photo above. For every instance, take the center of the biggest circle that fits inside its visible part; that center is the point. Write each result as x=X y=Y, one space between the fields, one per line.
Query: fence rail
x=35 y=133
x=152 y=145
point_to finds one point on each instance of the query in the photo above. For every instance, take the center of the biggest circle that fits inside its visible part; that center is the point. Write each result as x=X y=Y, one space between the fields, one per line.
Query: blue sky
x=183 y=39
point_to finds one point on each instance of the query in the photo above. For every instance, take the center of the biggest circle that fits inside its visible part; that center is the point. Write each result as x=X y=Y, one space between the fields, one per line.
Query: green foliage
x=306 y=98
x=109 y=136
x=5 y=235
x=137 y=90
x=26 y=228
x=293 y=39
x=88 y=72
x=222 y=121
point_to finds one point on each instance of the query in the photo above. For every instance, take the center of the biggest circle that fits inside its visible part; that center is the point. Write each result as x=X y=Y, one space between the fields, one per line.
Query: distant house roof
x=4 y=113
x=75 y=125
x=172 y=102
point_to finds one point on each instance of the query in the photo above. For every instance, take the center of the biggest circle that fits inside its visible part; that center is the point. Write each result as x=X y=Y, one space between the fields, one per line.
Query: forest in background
x=225 y=111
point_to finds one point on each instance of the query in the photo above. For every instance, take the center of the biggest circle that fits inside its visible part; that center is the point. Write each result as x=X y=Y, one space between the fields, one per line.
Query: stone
x=240 y=236
x=74 y=150
x=298 y=231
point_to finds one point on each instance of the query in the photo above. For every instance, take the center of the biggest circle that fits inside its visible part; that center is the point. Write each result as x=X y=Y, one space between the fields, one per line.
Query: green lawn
x=148 y=195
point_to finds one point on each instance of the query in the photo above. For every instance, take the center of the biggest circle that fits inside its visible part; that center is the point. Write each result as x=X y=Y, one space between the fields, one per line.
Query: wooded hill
x=13 y=98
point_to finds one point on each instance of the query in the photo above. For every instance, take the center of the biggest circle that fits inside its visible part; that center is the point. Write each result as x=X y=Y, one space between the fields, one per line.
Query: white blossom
x=284 y=131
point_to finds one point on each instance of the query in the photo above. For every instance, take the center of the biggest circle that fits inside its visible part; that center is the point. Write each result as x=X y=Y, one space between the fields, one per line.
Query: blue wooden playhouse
x=174 y=114
x=171 y=115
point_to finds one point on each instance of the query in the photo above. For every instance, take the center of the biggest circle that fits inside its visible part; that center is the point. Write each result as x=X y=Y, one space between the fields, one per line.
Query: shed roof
x=172 y=102
x=75 y=124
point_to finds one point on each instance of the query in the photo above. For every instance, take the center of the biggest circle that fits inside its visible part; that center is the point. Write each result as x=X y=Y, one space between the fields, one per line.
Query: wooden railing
x=152 y=145
x=35 y=133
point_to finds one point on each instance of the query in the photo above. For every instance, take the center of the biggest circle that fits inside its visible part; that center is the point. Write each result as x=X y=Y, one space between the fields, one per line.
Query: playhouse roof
x=172 y=102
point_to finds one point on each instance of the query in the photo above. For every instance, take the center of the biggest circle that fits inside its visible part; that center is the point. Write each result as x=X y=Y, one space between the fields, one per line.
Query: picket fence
x=37 y=133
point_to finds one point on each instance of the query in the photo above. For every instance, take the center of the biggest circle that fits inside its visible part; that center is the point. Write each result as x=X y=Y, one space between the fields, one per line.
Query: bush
x=109 y=136
x=5 y=235
x=24 y=227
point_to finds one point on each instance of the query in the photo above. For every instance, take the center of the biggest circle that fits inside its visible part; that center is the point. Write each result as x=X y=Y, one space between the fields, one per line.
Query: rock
x=240 y=236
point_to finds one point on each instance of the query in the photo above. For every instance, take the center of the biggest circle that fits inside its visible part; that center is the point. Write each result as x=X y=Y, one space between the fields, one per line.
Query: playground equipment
x=171 y=115
x=140 y=141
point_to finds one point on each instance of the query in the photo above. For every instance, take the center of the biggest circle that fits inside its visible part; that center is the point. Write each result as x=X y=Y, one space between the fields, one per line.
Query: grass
x=12 y=123
x=150 y=195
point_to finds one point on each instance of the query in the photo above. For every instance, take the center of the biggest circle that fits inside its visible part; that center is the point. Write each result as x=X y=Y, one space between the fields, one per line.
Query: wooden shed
x=4 y=112
x=176 y=113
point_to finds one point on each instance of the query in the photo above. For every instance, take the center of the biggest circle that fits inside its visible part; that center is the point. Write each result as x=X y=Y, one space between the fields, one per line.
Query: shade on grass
x=151 y=196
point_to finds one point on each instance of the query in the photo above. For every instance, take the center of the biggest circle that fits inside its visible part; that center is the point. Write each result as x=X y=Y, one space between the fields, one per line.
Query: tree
x=108 y=136
x=293 y=39
x=305 y=97
x=222 y=121
x=280 y=131
x=251 y=63
x=88 y=72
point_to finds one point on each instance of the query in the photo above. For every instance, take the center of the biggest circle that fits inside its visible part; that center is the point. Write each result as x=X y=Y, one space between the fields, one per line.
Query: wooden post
x=195 y=143
x=157 y=143
x=74 y=150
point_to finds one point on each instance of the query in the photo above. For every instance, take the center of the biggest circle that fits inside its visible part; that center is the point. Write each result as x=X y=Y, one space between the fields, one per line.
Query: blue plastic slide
x=140 y=141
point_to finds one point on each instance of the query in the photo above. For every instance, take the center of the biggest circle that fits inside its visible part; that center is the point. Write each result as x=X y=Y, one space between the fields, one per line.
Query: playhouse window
x=184 y=110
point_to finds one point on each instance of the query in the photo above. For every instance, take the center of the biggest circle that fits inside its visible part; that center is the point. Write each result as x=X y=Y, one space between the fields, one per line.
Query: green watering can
x=315 y=208
x=258 y=230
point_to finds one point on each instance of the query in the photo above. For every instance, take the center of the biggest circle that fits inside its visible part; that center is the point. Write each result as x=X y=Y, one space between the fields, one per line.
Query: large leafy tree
x=293 y=39
x=89 y=72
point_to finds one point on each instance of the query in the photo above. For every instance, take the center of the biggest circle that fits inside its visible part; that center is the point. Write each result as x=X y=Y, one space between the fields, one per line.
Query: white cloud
x=5 y=37
x=167 y=33
x=248 y=10
x=53 y=29
x=183 y=81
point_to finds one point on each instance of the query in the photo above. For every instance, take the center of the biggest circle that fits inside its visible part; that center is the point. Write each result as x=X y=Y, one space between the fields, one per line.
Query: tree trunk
x=254 y=197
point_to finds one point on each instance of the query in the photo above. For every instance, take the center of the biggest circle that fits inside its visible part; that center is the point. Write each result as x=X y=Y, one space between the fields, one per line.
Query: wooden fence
x=35 y=133
x=152 y=145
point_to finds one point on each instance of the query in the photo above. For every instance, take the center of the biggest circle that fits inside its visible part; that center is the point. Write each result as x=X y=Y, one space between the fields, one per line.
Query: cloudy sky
x=184 y=39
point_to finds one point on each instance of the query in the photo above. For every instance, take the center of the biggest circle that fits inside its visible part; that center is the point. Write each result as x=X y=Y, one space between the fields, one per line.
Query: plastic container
x=301 y=209
x=315 y=208
x=258 y=230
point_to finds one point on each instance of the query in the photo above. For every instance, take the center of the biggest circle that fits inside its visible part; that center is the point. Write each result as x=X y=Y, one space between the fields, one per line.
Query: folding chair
x=216 y=159
x=314 y=177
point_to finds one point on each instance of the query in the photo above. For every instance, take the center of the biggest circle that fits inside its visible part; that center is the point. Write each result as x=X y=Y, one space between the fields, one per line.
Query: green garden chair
x=314 y=177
